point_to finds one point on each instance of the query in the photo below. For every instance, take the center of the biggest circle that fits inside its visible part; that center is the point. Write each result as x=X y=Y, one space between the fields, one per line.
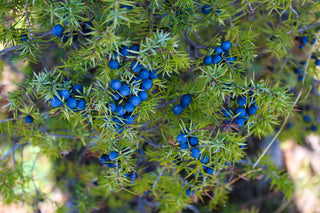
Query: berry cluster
x=111 y=160
x=241 y=114
x=220 y=53
x=304 y=40
x=206 y=9
x=125 y=97
x=184 y=103
x=71 y=102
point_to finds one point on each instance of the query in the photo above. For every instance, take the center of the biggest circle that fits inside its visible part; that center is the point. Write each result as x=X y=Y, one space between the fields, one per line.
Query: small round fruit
x=57 y=30
x=304 y=40
x=146 y=84
x=317 y=62
x=134 y=176
x=195 y=153
x=314 y=128
x=184 y=146
x=72 y=102
x=143 y=95
x=120 y=110
x=124 y=90
x=87 y=27
x=77 y=89
x=64 y=94
x=209 y=170
x=193 y=141
x=113 y=155
x=252 y=109
x=128 y=119
x=124 y=51
x=307 y=118
x=144 y=74
x=134 y=48
x=227 y=112
x=55 y=102
x=241 y=112
x=186 y=99
x=218 y=50
x=181 y=139
x=207 y=60
x=115 y=84
x=129 y=107
x=216 y=59
x=177 y=109
x=189 y=192
x=205 y=159
x=28 y=119
x=184 y=105
x=153 y=74
x=119 y=128
x=135 y=100
x=113 y=64
x=115 y=96
x=24 y=37
x=242 y=101
x=112 y=106
x=81 y=104
x=206 y=9
x=239 y=121
x=128 y=7
x=136 y=66
x=104 y=158
x=226 y=45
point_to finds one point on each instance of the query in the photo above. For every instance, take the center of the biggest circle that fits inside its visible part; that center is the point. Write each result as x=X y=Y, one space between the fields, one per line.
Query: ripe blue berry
x=182 y=139
x=64 y=94
x=216 y=59
x=113 y=64
x=77 y=89
x=113 y=155
x=184 y=146
x=153 y=74
x=28 y=119
x=115 y=84
x=104 y=158
x=129 y=107
x=195 y=153
x=72 y=102
x=120 y=110
x=206 y=9
x=304 y=40
x=135 y=48
x=189 y=192
x=124 y=90
x=246 y=117
x=126 y=7
x=146 y=84
x=128 y=119
x=209 y=170
x=57 y=30
x=205 y=159
x=252 y=109
x=115 y=96
x=230 y=59
x=193 y=141
x=186 y=99
x=227 y=112
x=177 y=109
x=119 y=128
x=313 y=41
x=314 y=128
x=136 y=66
x=307 y=118
x=143 y=95
x=55 y=102
x=317 y=62
x=87 y=27
x=242 y=101
x=144 y=74
x=226 y=45
x=134 y=176
x=299 y=71
x=184 y=105
x=239 y=121
x=24 y=37
x=81 y=104
x=112 y=106
x=124 y=51
x=218 y=50
x=240 y=112
x=135 y=100
x=207 y=60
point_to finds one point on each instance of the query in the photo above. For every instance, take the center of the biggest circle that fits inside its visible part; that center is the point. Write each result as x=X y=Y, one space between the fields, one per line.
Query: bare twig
x=28 y=20
x=158 y=178
x=305 y=28
x=295 y=12
x=151 y=143
x=192 y=208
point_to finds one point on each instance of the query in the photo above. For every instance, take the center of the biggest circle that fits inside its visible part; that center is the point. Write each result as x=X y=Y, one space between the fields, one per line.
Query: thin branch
x=285 y=121
x=158 y=178
x=151 y=143
x=305 y=28
x=192 y=208
x=34 y=184
x=28 y=20
x=295 y=12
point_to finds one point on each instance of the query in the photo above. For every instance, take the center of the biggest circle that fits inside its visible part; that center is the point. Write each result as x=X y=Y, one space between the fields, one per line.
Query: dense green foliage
x=173 y=37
